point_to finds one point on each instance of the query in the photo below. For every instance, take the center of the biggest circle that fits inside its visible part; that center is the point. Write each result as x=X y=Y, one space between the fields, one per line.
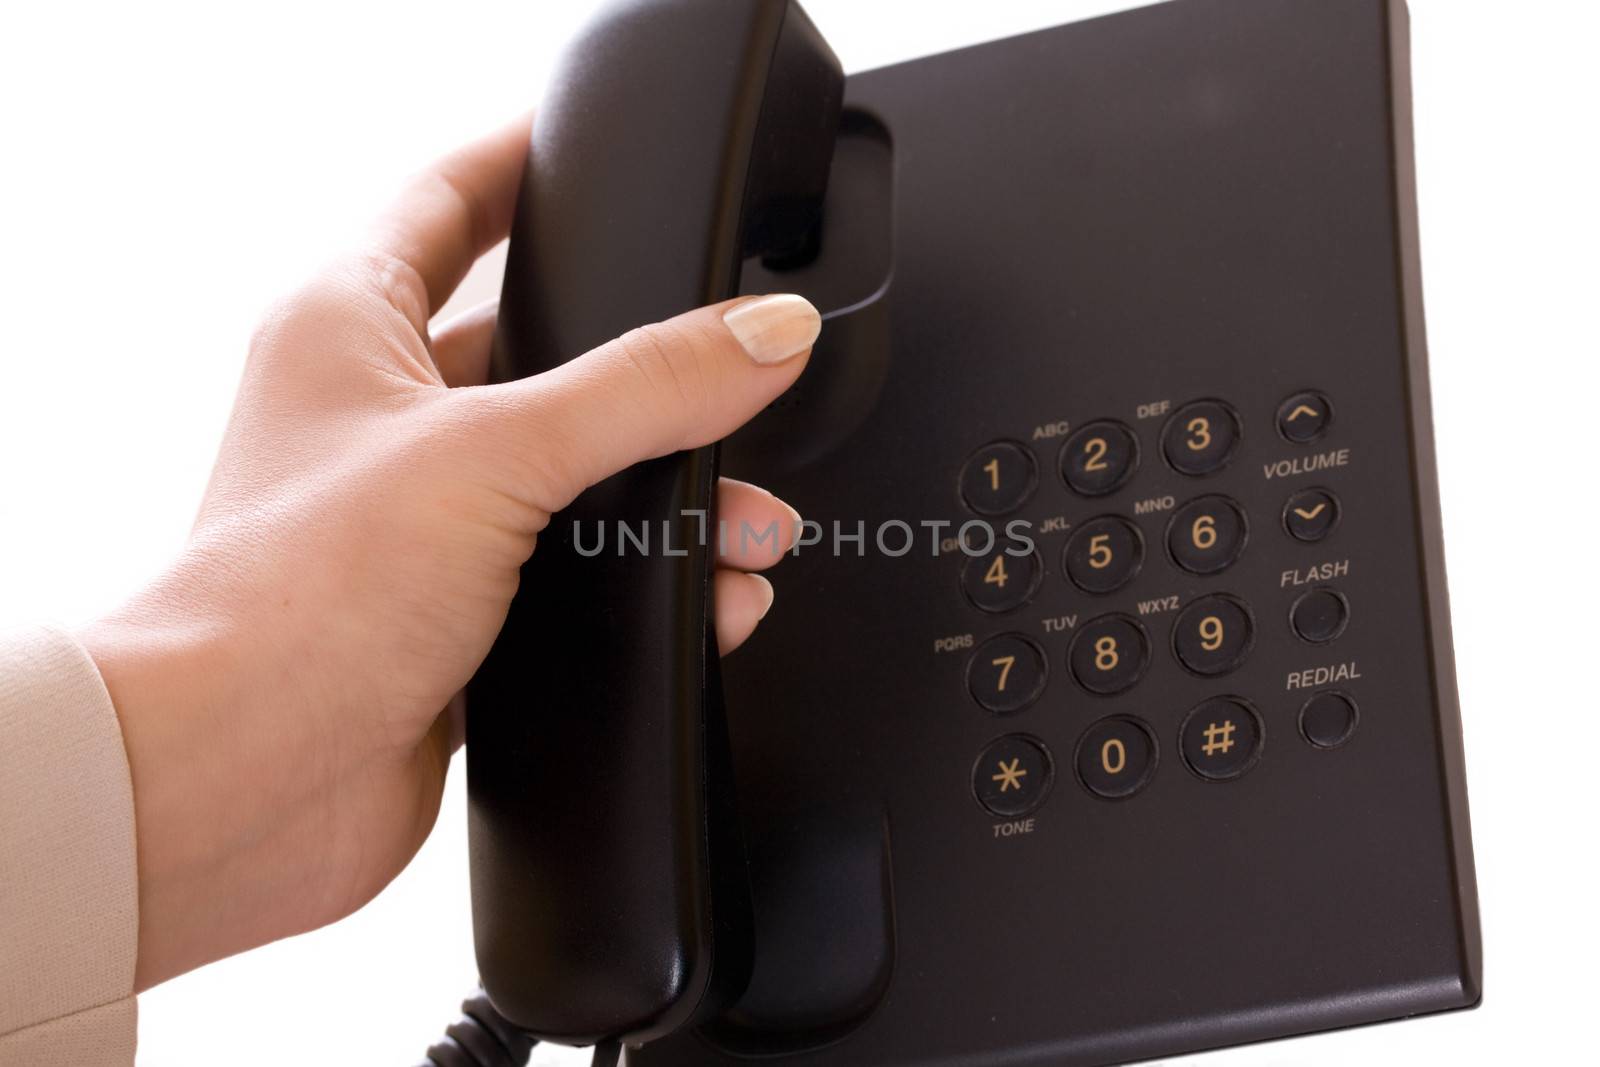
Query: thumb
x=662 y=388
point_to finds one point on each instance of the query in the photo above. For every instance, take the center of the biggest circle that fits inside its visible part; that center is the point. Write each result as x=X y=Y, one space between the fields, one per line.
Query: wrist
x=197 y=812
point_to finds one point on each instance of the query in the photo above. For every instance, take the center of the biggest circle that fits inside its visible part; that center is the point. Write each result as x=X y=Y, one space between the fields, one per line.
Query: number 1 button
x=999 y=478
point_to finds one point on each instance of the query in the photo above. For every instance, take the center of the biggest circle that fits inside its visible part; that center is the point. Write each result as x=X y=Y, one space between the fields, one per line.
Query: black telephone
x=1110 y=711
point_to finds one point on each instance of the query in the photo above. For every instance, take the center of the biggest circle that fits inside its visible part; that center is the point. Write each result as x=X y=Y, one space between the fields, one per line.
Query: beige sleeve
x=69 y=893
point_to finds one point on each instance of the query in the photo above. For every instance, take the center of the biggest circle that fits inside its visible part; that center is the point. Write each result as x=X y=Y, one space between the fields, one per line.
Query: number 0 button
x=1207 y=535
x=1201 y=437
x=1109 y=654
x=1099 y=459
x=1213 y=635
x=1116 y=758
x=1006 y=673
x=999 y=478
x=1104 y=554
x=999 y=581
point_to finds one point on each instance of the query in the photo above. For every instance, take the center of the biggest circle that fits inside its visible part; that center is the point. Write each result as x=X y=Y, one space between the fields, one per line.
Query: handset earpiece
x=609 y=894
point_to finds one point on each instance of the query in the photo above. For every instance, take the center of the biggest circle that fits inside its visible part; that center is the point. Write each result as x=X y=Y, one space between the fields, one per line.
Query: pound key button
x=1012 y=776
x=999 y=478
x=1304 y=417
x=1221 y=739
x=1116 y=757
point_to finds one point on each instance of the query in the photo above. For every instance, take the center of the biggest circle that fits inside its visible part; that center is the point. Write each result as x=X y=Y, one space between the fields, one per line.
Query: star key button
x=1304 y=417
x=1012 y=776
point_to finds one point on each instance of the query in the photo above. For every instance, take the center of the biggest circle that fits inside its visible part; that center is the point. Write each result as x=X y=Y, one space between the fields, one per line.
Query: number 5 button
x=1006 y=673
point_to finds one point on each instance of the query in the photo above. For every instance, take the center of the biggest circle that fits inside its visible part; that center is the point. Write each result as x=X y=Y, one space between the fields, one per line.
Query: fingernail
x=766 y=592
x=774 y=328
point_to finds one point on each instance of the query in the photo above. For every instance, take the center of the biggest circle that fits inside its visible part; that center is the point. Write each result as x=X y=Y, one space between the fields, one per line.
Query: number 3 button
x=1006 y=673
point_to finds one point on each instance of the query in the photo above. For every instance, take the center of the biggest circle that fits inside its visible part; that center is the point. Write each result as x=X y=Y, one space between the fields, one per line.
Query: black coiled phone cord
x=483 y=1038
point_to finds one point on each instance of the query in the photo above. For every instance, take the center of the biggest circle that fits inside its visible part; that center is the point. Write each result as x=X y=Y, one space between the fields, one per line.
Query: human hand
x=283 y=687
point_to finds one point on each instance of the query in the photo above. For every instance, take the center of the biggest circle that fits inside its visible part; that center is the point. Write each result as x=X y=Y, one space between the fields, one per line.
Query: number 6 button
x=1207 y=535
x=1006 y=673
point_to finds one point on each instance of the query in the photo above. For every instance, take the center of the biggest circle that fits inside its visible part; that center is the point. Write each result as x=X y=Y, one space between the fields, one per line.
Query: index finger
x=453 y=212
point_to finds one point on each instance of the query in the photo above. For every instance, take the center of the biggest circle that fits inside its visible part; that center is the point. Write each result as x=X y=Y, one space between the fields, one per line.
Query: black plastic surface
x=1209 y=200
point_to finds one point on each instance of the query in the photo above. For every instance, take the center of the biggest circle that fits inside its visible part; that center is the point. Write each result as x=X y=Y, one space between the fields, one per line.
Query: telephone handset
x=1172 y=761
x=610 y=898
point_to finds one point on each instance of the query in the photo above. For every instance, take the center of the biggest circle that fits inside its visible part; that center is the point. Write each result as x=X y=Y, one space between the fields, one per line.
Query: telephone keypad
x=1109 y=654
x=1001 y=580
x=1201 y=437
x=1207 y=535
x=1304 y=417
x=1012 y=776
x=1099 y=458
x=1210 y=636
x=1320 y=616
x=1117 y=757
x=1006 y=673
x=1213 y=635
x=1221 y=739
x=1104 y=554
x=999 y=478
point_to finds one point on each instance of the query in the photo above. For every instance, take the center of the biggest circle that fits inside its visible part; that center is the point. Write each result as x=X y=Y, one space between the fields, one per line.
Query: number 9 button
x=1213 y=635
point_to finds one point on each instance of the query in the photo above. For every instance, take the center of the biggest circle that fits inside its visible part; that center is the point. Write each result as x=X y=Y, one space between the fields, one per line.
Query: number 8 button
x=1109 y=654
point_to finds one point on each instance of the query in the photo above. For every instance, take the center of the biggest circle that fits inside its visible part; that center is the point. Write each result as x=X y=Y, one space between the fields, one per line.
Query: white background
x=169 y=168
